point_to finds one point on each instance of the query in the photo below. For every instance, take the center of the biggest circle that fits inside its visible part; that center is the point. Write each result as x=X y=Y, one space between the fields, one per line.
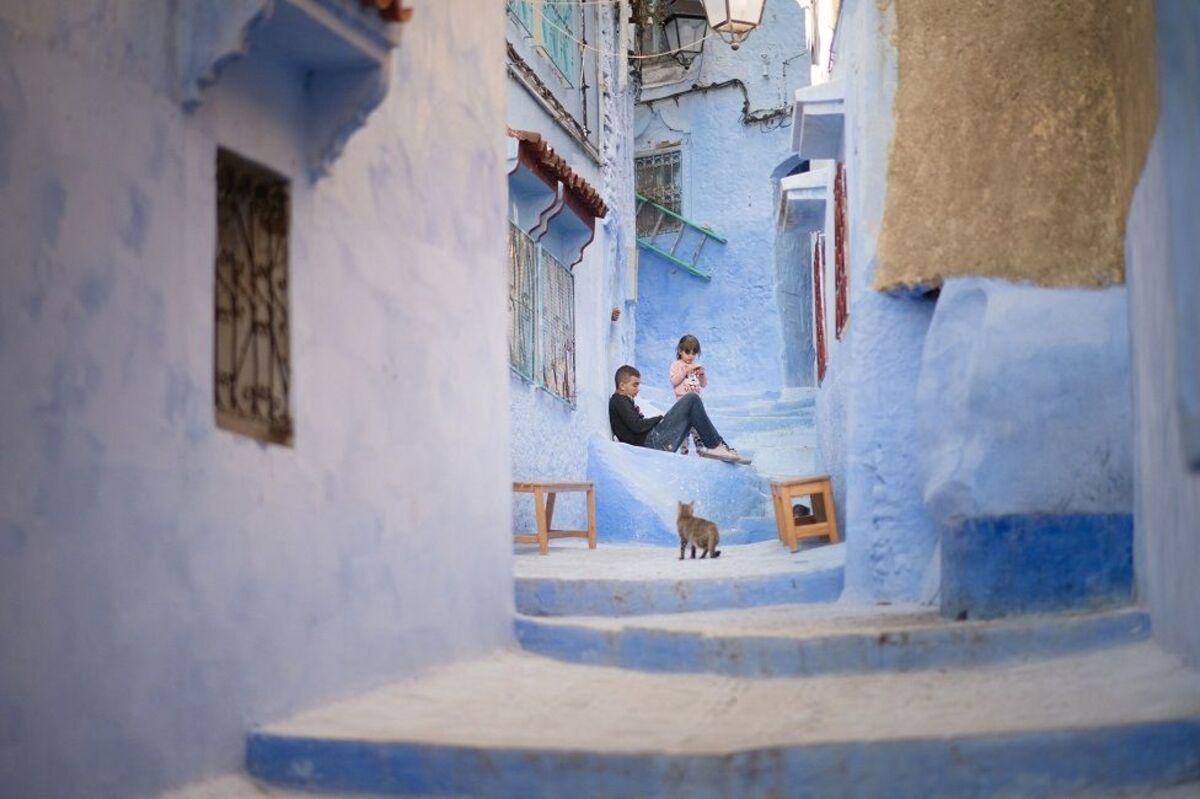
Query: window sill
x=571 y=404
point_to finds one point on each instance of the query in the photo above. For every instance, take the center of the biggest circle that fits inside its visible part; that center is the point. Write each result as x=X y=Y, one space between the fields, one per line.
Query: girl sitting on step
x=687 y=377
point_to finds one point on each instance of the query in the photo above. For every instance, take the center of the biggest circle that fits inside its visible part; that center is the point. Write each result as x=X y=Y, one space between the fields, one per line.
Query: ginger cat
x=696 y=531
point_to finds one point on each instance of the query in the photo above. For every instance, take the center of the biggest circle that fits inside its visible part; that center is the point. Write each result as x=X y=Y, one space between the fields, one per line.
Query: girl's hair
x=689 y=343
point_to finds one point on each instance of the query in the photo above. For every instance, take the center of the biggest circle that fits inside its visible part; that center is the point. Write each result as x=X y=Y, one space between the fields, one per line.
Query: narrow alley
x=600 y=398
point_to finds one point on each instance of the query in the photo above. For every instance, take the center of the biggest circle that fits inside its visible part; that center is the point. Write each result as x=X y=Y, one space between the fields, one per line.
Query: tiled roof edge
x=557 y=166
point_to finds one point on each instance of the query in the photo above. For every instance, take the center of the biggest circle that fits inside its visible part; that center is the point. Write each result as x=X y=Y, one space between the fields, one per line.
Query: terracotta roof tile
x=390 y=10
x=558 y=167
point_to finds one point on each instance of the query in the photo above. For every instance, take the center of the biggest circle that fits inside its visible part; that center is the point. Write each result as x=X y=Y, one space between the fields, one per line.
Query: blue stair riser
x=546 y=597
x=1032 y=765
x=784 y=408
x=749 y=535
x=766 y=656
x=757 y=424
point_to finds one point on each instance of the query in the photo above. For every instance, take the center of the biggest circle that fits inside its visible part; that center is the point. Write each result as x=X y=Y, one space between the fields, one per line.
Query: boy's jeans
x=685 y=414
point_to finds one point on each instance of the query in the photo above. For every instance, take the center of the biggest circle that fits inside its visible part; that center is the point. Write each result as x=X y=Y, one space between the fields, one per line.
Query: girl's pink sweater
x=684 y=382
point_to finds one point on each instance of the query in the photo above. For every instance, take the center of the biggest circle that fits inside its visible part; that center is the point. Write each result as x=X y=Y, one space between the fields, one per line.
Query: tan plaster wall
x=1020 y=131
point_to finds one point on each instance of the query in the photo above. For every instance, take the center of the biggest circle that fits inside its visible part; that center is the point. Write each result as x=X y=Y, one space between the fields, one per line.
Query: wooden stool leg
x=591 y=500
x=543 y=527
x=780 y=521
x=550 y=497
x=831 y=512
x=791 y=541
x=818 y=506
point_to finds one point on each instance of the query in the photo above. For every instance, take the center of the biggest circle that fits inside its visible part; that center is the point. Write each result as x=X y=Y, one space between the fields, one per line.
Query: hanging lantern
x=733 y=20
x=686 y=27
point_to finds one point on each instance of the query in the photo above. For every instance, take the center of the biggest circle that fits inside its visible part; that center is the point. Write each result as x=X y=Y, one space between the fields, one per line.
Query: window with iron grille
x=522 y=301
x=252 y=366
x=558 y=35
x=659 y=177
x=541 y=316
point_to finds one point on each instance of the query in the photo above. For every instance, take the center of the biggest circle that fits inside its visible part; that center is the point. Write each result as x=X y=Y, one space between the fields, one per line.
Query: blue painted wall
x=549 y=437
x=867 y=408
x=164 y=585
x=1161 y=242
x=992 y=399
x=1025 y=401
x=726 y=184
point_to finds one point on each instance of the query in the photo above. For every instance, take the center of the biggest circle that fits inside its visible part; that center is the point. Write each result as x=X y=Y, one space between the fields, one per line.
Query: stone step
x=241 y=786
x=735 y=430
x=751 y=530
x=514 y=724
x=638 y=491
x=627 y=580
x=797 y=641
x=664 y=398
x=775 y=463
x=782 y=407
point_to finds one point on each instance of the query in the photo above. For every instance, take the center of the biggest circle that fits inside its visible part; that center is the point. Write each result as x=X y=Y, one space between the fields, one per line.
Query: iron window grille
x=541 y=316
x=818 y=290
x=522 y=301
x=252 y=362
x=658 y=177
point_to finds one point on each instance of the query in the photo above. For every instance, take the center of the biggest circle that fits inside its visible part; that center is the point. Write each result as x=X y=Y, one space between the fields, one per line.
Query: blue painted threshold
x=1032 y=765
x=995 y=566
x=939 y=645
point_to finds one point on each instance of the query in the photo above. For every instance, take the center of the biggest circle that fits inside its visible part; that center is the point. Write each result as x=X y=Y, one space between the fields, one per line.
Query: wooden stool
x=544 y=493
x=823 y=519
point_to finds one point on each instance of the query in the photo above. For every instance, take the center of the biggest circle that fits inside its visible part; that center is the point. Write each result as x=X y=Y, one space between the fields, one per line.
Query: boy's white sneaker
x=740 y=457
x=722 y=453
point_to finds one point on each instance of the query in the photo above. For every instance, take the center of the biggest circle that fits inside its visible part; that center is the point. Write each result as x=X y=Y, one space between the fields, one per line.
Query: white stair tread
x=796 y=621
x=515 y=700
x=823 y=619
x=572 y=560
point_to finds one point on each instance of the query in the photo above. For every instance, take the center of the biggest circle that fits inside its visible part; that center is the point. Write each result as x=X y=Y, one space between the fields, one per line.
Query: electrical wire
x=550 y=24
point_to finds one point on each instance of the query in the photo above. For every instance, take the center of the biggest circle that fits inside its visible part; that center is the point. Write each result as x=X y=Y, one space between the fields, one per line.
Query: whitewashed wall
x=165 y=585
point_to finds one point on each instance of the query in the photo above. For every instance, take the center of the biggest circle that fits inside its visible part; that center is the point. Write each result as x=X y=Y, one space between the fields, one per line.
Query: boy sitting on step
x=664 y=432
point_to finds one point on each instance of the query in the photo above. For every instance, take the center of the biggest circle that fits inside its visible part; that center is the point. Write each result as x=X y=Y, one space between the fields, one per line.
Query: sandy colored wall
x=1020 y=133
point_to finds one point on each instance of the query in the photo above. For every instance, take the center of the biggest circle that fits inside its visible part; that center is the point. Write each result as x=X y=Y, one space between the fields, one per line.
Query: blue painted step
x=1032 y=765
x=732 y=646
x=517 y=725
x=616 y=580
x=614 y=597
x=750 y=530
x=730 y=426
x=638 y=491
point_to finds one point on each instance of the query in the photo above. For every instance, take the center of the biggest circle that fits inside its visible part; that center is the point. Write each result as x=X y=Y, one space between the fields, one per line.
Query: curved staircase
x=793 y=699
x=638 y=675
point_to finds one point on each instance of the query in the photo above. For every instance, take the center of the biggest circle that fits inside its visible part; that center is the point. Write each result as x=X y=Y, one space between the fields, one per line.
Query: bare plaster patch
x=1020 y=133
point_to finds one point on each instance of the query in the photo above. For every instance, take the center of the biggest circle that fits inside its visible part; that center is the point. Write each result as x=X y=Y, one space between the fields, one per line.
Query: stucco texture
x=549 y=436
x=165 y=585
x=1019 y=135
x=726 y=164
x=1025 y=401
x=1162 y=244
